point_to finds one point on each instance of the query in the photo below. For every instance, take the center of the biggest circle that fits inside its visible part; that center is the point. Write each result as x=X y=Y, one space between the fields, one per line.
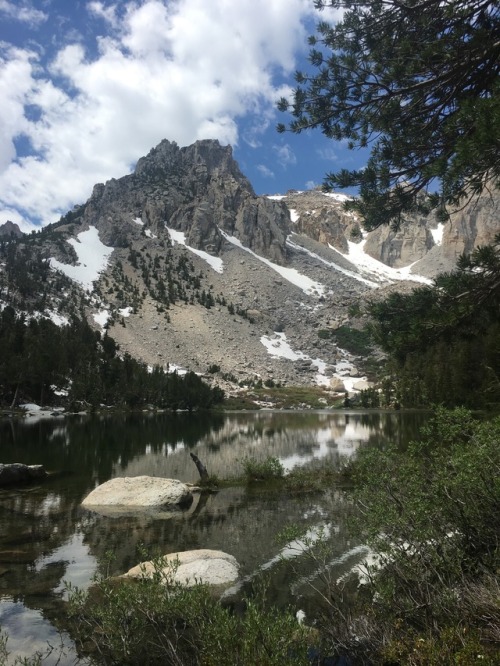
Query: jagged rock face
x=10 y=230
x=322 y=218
x=198 y=190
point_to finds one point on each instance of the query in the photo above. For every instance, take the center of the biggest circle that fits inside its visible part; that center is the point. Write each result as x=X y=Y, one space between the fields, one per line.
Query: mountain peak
x=10 y=230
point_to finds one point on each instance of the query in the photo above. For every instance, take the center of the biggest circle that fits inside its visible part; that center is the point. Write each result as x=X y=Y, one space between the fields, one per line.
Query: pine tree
x=419 y=83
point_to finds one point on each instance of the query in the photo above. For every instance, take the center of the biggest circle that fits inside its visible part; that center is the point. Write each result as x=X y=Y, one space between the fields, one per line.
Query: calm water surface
x=47 y=539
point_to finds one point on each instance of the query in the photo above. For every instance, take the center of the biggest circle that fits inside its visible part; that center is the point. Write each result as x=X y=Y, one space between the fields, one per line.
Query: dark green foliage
x=157 y=621
x=419 y=83
x=356 y=341
x=444 y=340
x=24 y=269
x=38 y=357
x=431 y=515
x=324 y=333
x=263 y=470
x=369 y=398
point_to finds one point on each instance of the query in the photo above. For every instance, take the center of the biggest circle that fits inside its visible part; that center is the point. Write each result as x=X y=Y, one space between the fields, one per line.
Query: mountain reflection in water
x=47 y=539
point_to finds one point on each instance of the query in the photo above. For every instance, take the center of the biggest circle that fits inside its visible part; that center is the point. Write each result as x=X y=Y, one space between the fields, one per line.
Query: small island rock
x=189 y=567
x=19 y=473
x=138 y=492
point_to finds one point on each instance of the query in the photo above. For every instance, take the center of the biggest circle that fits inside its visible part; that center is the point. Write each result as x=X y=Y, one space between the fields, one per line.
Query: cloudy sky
x=89 y=86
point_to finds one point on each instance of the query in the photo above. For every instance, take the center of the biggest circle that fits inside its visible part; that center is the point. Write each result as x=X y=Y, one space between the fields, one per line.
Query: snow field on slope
x=93 y=257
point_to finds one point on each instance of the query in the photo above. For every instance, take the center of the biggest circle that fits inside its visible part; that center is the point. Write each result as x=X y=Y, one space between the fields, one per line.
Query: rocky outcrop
x=212 y=304
x=190 y=567
x=321 y=216
x=198 y=190
x=472 y=225
x=13 y=473
x=10 y=230
x=136 y=494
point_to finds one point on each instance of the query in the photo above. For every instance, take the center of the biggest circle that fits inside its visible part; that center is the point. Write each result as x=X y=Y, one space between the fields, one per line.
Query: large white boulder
x=189 y=567
x=362 y=385
x=336 y=384
x=137 y=493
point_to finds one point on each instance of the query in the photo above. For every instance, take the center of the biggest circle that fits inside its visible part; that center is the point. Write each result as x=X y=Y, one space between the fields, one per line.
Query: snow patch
x=331 y=264
x=336 y=196
x=172 y=367
x=294 y=216
x=363 y=261
x=180 y=238
x=308 y=286
x=279 y=347
x=276 y=197
x=93 y=257
x=56 y=318
x=101 y=318
x=437 y=234
x=30 y=407
x=139 y=221
x=126 y=312
x=150 y=234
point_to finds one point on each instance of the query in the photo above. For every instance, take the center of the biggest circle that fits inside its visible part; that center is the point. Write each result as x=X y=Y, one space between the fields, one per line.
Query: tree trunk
x=200 y=467
x=14 y=399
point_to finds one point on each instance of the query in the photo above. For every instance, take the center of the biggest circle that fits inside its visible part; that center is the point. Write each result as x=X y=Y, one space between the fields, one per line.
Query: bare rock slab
x=138 y=493
x=189 y=567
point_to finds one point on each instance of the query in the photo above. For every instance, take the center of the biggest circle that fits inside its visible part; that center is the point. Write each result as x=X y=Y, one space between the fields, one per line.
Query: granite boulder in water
x=189 y=567
x=136 y=493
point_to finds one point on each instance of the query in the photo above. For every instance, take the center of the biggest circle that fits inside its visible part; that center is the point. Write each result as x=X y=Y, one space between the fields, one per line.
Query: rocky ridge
x=204 y=274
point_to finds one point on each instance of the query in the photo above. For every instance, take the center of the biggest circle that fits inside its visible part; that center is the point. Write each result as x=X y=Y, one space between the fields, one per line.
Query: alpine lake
x=47 y=540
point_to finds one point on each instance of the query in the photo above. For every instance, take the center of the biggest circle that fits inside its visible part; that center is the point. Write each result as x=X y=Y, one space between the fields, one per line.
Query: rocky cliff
x=198 y=190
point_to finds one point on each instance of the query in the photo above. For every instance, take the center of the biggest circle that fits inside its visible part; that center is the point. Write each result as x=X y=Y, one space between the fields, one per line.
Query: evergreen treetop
x=417 y=81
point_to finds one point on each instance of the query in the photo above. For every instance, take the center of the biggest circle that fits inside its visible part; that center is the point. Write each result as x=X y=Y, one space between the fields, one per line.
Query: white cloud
x=328 y=154
x=183 y=71
x=285 y=155
x=22 y=11
x=265 y=171
x=108 y=13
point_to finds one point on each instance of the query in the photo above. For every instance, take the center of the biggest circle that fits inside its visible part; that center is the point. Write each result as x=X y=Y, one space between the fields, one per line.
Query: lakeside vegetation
x=430 y=596
x=443 y=341
x=75 y=366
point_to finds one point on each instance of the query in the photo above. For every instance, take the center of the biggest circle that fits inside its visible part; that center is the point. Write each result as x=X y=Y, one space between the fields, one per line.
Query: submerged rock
x=189 y=567
x=19 y=473
x=136 y=493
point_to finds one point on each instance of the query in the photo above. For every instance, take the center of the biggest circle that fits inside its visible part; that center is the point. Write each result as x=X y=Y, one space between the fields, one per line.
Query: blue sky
x=89 y=86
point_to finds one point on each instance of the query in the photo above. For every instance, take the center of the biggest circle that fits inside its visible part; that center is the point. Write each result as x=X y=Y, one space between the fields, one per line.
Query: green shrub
x=355 y=341
x=430 y=513
x=159 y=622
x=263 y=470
